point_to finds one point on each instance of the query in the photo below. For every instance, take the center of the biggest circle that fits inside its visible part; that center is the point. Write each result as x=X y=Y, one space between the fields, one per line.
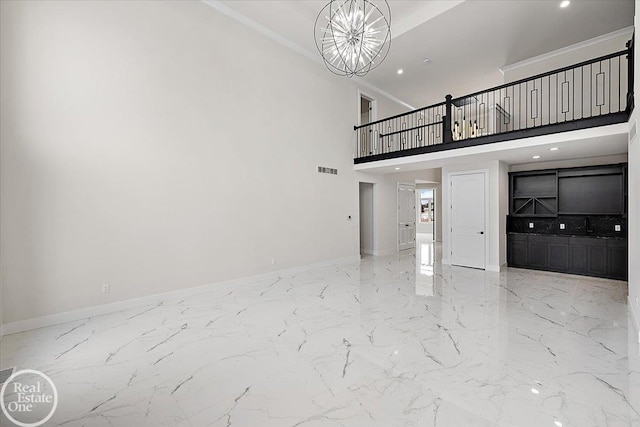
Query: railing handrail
x=399 y=115
x=545 y=74
x=502 y=86
x=382 y=135
x=541 y=110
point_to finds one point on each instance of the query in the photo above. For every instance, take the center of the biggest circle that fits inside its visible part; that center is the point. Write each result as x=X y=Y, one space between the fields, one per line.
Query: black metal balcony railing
x=592 y=93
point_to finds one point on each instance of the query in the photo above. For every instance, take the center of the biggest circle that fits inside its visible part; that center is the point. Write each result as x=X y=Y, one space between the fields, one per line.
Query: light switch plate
x=561 y=226
x=617 y=227
x=530 y=225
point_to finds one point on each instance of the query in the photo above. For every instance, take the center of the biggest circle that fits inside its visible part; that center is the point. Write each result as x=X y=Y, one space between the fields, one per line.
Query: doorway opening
x=426 y=213
x=366 y=218
x=366 y=114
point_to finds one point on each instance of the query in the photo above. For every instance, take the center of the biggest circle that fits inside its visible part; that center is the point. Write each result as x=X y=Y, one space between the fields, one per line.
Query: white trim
x=567 y=49
x=420 y=15
x=279 y=38
x=487 y=266
x=634 y=317
x=385 y=252
x=99 y=310
x=497 y=268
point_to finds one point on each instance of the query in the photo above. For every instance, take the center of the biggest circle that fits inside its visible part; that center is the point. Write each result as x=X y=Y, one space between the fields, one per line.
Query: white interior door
x=406 y=216
x=468 y=232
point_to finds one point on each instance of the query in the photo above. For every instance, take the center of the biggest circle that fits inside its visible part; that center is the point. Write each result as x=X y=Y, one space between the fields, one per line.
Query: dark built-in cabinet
x=598 y=190
x=590 y=256
x=578 y=217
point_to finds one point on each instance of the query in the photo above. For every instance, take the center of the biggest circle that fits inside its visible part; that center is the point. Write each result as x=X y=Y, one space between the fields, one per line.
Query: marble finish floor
x=392 y=341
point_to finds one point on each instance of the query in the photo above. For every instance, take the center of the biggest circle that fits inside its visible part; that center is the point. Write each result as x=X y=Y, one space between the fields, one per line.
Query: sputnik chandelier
x=353 y=36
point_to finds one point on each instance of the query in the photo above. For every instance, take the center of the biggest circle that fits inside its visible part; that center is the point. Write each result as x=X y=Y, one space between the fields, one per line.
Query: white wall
x=127 y=155
x=498 y=210
x=579 y=53
x=366 y=218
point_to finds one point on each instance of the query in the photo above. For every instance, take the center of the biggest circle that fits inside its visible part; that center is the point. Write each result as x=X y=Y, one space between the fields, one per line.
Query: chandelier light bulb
x=353 y=36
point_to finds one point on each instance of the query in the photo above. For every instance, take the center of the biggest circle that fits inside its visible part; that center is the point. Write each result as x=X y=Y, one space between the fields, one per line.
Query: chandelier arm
x=355 y=37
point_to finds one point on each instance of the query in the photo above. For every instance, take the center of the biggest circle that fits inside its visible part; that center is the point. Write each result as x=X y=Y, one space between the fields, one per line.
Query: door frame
x=435 y=208
x=398 y=184
x=374 y=106
x=374 y=235
x=448 y=233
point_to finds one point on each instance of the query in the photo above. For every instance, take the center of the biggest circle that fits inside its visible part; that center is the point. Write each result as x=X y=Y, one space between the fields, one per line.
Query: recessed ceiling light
x=536 y=157
x=558 y=423
x=397 y=169
x=565 y=3
x=400 y=71
x=553 y=149
x=427 y=60
x=535 y=391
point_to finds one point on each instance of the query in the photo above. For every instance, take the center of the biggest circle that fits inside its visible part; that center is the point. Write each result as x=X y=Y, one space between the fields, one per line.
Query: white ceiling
x=466 y=41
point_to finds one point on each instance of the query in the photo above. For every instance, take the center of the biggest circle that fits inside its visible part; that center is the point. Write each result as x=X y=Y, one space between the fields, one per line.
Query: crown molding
x=424 y=11
x=288 y=43
x=571 y=48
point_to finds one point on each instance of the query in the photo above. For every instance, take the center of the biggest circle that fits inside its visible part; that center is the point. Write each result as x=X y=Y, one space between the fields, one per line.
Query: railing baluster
x=499 y=110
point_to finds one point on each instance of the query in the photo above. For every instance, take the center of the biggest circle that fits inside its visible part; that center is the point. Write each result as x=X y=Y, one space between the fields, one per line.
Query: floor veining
x=390 y=341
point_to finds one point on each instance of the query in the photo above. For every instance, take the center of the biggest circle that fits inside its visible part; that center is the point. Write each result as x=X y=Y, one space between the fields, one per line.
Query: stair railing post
x=447 y=135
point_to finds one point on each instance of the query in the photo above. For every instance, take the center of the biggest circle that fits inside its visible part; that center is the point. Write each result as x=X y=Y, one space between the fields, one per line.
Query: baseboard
x=634 y=316
x=385 y=252
x=367 y=251
x=497 y=268
x=99 y=310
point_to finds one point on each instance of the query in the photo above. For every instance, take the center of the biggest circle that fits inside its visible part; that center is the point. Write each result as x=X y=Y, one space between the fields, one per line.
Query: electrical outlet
x=562 y=226
x=273 y=261
x=530 y=225
x=617 y=227
x=106 y=289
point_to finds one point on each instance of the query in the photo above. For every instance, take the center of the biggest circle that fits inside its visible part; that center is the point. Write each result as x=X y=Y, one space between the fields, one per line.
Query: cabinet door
x=597 y=260
x=577 y=258
x=538 y=252
x=617 y=256
x=518 y=250
x=559 y=255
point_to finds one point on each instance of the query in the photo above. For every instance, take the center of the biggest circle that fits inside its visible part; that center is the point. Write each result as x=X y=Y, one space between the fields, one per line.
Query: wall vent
x=5 y=374
x=330 y=171
x=632 y=132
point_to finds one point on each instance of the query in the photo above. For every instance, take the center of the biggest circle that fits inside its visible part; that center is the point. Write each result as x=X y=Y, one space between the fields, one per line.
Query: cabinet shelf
x=596 y=190
x=535 y=196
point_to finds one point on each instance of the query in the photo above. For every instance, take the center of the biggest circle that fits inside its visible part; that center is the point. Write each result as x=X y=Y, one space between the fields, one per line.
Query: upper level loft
x=593 y=93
